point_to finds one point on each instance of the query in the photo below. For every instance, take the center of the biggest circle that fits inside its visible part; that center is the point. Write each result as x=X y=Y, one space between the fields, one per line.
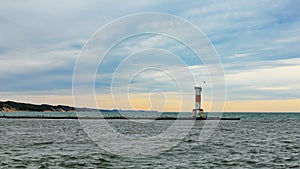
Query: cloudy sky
x=257 y=42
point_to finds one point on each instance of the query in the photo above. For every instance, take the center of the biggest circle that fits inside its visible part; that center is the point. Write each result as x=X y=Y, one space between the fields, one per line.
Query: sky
x=257 y=42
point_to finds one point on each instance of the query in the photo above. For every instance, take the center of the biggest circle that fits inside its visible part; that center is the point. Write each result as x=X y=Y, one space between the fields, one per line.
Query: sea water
x=258 y=140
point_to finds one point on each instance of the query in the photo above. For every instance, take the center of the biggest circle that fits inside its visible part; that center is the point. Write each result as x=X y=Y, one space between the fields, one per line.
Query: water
x=259 y=140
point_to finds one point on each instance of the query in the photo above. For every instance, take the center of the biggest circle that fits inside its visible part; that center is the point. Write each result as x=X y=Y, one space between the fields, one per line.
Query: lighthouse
x=197 y=108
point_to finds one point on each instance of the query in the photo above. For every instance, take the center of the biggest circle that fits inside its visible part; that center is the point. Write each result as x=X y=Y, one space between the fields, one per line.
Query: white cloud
x=274 y=88
x=288 y=40
x=276 y=82
x=34 y=61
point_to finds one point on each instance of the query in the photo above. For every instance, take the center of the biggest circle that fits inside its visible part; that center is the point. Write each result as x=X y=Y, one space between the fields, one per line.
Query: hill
x=15 y=106
x=10 y=106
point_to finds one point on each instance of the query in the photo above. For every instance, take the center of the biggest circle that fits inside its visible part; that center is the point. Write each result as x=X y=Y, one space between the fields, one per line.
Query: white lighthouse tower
x=197 y=109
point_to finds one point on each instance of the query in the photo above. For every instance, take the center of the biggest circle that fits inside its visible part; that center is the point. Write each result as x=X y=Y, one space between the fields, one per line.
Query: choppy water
x=259 y=140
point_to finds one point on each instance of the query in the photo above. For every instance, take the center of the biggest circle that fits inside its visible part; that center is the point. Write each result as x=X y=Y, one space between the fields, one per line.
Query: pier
x=118 y=118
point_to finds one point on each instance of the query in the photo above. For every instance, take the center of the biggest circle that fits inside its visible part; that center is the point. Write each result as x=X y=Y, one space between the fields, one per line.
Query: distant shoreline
x=11 y=106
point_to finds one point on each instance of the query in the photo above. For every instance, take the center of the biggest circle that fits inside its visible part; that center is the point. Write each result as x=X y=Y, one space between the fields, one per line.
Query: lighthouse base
x=198 y=111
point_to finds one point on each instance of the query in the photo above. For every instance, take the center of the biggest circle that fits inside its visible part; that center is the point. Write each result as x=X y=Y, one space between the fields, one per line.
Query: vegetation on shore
x=10 y=106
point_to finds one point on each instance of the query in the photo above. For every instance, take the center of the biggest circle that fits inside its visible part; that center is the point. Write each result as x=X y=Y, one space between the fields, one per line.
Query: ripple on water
x=63 y=144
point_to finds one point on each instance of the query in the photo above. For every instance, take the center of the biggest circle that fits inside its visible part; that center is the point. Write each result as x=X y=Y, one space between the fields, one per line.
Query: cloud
x=266 y=83
x=38 y=69
x=249 y=26
x=288 y=40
